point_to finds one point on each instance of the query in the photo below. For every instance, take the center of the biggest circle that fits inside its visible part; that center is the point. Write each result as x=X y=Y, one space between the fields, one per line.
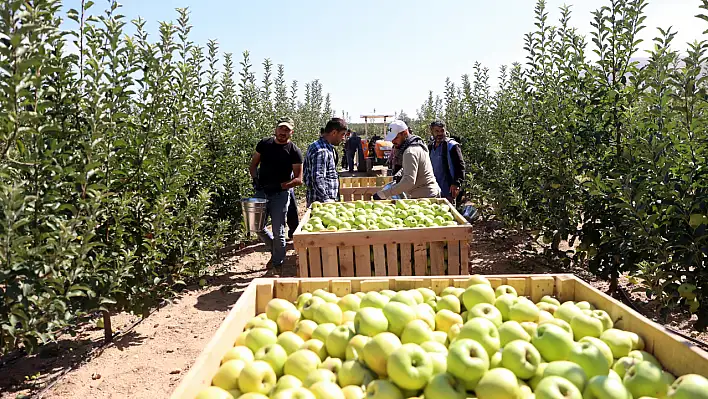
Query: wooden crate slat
x=362 y=260
x=464 y=257
x=286 y=289
x=519 y=283
x=420 y=254
x=379 y=260
x=374 y=285
x=406 y=268
x=460 y=282
x=439 y=284
x=565 y=288
x=313 y=284
x=495 y=281
x=330 y=262
x=453 y=258
x=392 y=259
x=302 y=269
x=540 y=286
x=407 y=283
x=437 y=258
x=346 y=261
x=264 y=293
x=421 y=235
x=314 y=255
x=341 y=287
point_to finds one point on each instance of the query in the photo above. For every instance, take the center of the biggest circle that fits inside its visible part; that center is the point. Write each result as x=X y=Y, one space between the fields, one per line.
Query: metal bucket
x=254 y=214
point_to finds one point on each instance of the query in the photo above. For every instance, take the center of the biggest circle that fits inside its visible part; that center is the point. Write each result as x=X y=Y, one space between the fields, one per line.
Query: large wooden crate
x=361 y=188
x=676 y=354
x=377 y=252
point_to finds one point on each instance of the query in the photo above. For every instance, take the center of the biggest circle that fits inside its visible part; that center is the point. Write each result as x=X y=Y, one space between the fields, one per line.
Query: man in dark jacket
x=353 y=146
x=448 y=164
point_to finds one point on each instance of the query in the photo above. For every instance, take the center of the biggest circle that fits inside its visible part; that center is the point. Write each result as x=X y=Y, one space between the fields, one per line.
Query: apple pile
x=476 y=342
x=377 y=215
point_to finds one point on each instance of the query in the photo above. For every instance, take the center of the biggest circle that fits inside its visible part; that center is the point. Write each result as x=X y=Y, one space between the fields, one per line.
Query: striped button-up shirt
x=320 y=172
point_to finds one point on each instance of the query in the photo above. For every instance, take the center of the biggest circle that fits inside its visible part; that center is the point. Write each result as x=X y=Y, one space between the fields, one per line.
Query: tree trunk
x=107 y=329
x=614 y=277
x=702 y=322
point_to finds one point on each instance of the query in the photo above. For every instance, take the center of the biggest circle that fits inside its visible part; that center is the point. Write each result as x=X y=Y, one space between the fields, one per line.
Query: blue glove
x=376 y=197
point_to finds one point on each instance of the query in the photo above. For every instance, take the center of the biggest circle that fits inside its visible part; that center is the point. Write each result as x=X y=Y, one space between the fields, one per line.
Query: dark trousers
x=350 y=160
x=292 y=218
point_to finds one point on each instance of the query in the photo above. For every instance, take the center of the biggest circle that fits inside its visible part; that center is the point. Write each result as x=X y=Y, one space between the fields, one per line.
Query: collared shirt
x=320 y=173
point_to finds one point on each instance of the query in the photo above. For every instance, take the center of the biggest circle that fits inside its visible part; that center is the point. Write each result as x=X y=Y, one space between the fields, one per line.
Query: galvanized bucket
x=255 y=214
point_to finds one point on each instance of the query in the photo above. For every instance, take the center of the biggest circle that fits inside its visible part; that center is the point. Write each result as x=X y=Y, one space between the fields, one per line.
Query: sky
x=385 y=55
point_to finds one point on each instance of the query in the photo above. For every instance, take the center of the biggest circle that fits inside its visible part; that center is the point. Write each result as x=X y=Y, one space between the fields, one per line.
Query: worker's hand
x=454 y=191
x=256 y=186
x=284 y=186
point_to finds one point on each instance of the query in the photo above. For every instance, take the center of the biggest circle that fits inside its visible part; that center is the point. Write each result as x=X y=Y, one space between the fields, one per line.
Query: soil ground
x=149 y=358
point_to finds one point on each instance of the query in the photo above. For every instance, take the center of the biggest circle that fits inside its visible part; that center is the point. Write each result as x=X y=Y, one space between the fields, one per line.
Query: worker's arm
x=253 y=167
x=297 y=179
x=407 y=182
x=458 y=165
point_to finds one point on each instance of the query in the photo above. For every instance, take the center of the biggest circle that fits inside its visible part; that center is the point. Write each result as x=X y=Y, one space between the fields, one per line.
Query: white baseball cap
x=394 y=128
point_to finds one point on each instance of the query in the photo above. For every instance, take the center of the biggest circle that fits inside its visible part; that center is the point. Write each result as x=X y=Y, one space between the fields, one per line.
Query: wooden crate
x=376 y=252
x=361 y=188
x=676 y=354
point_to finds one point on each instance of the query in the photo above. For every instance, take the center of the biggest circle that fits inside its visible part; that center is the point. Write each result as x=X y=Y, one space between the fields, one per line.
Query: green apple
x=568 y=370
x=322 y=331
x=260 y=337
x=445 y=319
x=482 y=331
x=304 y=329
x=373 y=299
x=226 y=376
x=512 y=331
x=548 y=307
x=293 y=393
x=645 y=379
x=287 y=382
x=370 y=321
x=521 y=358
x=302 y=299
x=567 y=311
x=602 y=346
x=623 y=364
x=398 y=315
x=449 y=302
x=486 y=310
x=689 y=386
x=454 y=332
x=555 y=387
x=641 y=355
x=551 y=300
x=355 y=347
x=327 y=296
x=427 y=293
x=417 y=295
x=410 y=367
x=213 y=392
x=259 y=322
x=317 y=347
x=360 y=294
x=603 y=316
x=505 y=290
x=275 y=355
x=426 y=313
x=328 y=313
x=441 y=337
x=524 y=310
x=545 y=316
x=238 y=353
x=438 y=352
x=353 y=392
x=584 y=325
x=257 y=376
x=308 y=308
x=377 y=351
x=560 y=323
x=348 y=316
x=552 y=342
x=276 y=306
x=383 y=389
x=619 y=342
x=445 y=386
x=498 y=383
x=332 y=364
x=478 y=279
x=530 y=327
x=241 y=339
x=354 y=372
x=467 y=360
x=327 y=390
x=538 y=375
x=416 y=332
x=300 y=363
x=405 y=297
x=590 y=358
x=288 y=319
x=337 y=341
x=349 y=302
x=478 y=293
x=504 y=303
x=637 y=341
x=584 y=305
x=604 y=387
x=318 y=375
x=496 y=360
x=388 y=293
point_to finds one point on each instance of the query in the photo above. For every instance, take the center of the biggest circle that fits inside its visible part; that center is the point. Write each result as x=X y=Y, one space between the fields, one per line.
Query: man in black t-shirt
x=276 y=167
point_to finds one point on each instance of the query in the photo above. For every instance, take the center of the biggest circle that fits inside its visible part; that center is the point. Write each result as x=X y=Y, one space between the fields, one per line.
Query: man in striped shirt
x=320 y=174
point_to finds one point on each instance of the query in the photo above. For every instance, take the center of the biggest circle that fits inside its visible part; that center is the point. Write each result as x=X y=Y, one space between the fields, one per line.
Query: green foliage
x=597 y=149
x=122 y=163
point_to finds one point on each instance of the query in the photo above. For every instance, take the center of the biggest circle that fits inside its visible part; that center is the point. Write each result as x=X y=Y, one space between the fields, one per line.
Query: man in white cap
x=417 y=179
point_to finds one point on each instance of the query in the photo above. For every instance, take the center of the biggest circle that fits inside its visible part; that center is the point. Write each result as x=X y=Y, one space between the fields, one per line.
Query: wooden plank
x=453 y=257
x=314 y=257
x=495 y=281
x=465 y=256
x=519 y=283
x=202 y=371
x=341 y=287
x=540 y=286
x=368 y=196
x=264 y=293
x=286 y=289
x=392 y=260
x=379 y=260
x=439 y=284
x=346 y=261
x=437 y=258
x=407 y=283
x=330 y=262
x=406 y=268
x=460 y=282
x=388 y=236
x=302 y=269
x=362 y=260
x=565 y=287
x=313 y=284
x=420 y=254
x=374 y=285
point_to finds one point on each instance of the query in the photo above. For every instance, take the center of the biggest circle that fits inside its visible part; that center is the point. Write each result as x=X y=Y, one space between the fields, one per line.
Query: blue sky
x=384 y=55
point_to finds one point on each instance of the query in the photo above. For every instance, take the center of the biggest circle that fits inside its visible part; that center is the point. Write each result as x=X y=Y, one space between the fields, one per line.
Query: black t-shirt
x=277 y=162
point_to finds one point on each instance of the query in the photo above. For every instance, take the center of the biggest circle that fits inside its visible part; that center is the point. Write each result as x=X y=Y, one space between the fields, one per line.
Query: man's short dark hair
x=335 y=124
x=437 y=123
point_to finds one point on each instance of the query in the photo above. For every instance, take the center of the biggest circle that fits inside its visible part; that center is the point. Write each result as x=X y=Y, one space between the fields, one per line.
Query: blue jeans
x=277 y=208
